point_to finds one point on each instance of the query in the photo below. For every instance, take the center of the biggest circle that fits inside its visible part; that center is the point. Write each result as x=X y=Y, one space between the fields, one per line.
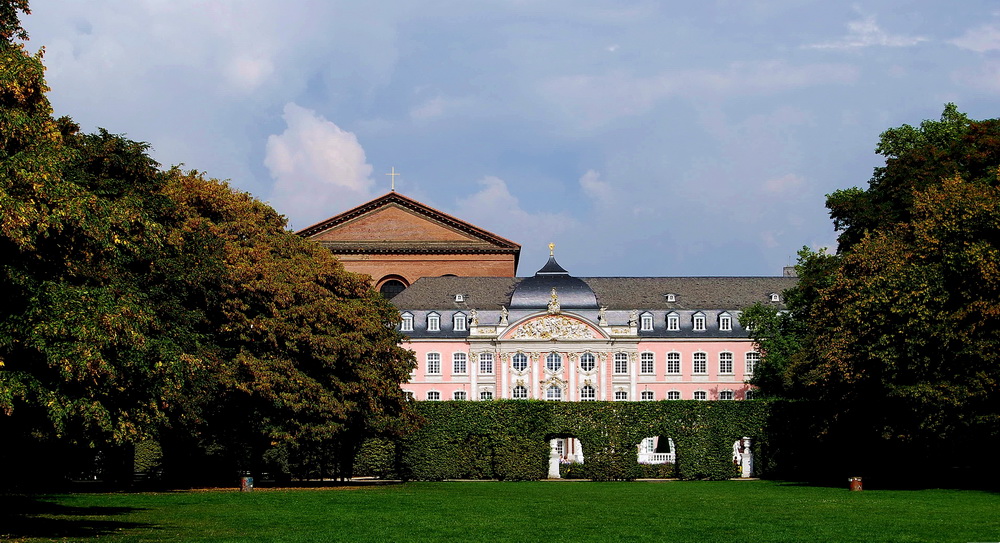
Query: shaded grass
x=675 y=511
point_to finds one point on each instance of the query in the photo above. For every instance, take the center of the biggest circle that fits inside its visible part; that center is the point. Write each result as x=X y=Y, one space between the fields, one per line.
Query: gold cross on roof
x=392 y=175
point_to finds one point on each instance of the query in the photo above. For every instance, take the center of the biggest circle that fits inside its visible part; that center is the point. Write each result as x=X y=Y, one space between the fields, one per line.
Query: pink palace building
x=556 y=337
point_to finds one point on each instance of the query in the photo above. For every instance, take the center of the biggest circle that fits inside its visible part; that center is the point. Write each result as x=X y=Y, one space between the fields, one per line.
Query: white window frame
x=433 y=396
x=673 y=394
x=553 y=362
x=726 y=363
x=588 y=393
x=519 y=359
x=621 y=363
x=553 y=393
x=486 y=363
x=671 y=297
x=646 y=322
x=485 y=395
x=588 y=359
x=459 y=358
x=698 y=322
x=702 y=393
x=725 y=322
x=647 y=396
x=673 y=363
x=699 y=363
x=459 y=322
x=726 y=395
x=750 y=394
x=406 y=322
x=647 y=363
x=751 y=359
x=520 y=392
x=775 y=297
x=459 y=395
x=621 y=395
x=433 y=322
x=673 y=322
x=433 y=363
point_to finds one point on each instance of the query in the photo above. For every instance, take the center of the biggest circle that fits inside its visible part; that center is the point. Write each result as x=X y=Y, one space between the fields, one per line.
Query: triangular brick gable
x=395 y=224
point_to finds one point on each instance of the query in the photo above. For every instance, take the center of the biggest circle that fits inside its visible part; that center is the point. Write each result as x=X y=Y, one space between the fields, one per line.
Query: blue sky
x=643 y=138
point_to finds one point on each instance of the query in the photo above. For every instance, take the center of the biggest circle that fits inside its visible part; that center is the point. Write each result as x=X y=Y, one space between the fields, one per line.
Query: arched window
x=485 y=395
x=674 y=363
x=553 y=362
x=434 y=363
x=646 y=396
x=726 y=363
x=520 y=361
x=519 y=393
x=459 y=363
x=434 y=396
x=588 y=394
x=726 y=395
x=700 y=363
x=674 y=395
x=750 y=395
x=458 y=322
x=621 y=396
x=459 y=395
x=587 y=361
x=433 y=322
x=646 y=365
x=406 y=322
x=391 y=288
x=700 y=395
x=553 y=393
x=752 y=359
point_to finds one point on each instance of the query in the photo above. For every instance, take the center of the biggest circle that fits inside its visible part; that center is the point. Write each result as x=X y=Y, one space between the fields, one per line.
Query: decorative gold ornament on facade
x=553 y=328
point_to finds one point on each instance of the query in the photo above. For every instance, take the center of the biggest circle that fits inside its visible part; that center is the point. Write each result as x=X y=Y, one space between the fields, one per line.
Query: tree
x=895 y=338
x=305 y=360
x=142 y=303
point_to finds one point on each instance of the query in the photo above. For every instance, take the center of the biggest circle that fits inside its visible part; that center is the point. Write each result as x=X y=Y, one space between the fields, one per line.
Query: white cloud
x=318 y=169
x=247 y=73
x=599 y=191
x=980 y=39
x=866 y=33
x=593 y=101
x=497 y=210
x=784 y=184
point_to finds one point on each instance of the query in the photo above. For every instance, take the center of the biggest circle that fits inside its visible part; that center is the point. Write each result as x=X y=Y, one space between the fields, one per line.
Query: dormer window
x=406 y=324
x=775 y=297
x=433 y=322
x=698 y=322
x=458 y=322
x=673 y=322
x=725 y=322
x=459 y=298
x=646 y=322
x=671 y=297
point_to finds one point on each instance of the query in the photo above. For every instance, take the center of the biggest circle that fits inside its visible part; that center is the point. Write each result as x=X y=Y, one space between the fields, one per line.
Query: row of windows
x=554 y=362
x=587 y=394
x=459 y=322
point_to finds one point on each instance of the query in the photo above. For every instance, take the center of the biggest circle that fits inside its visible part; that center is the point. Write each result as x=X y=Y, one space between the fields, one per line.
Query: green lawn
x=751 y=511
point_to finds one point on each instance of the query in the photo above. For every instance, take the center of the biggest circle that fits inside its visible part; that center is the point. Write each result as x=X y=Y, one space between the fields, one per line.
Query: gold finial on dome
x=552 y=249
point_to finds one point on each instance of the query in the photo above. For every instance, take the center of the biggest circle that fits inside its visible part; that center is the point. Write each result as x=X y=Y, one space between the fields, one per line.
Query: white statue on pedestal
x=743 y=457
x=553 y=461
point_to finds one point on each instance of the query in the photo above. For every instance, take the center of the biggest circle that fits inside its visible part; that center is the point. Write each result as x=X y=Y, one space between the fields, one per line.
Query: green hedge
x=508 y=439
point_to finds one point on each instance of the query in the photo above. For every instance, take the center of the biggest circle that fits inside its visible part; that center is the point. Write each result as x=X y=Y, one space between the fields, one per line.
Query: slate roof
x=616 y=293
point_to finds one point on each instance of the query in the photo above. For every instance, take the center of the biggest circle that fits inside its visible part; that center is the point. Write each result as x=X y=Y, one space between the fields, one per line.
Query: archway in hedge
x=565 y=454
